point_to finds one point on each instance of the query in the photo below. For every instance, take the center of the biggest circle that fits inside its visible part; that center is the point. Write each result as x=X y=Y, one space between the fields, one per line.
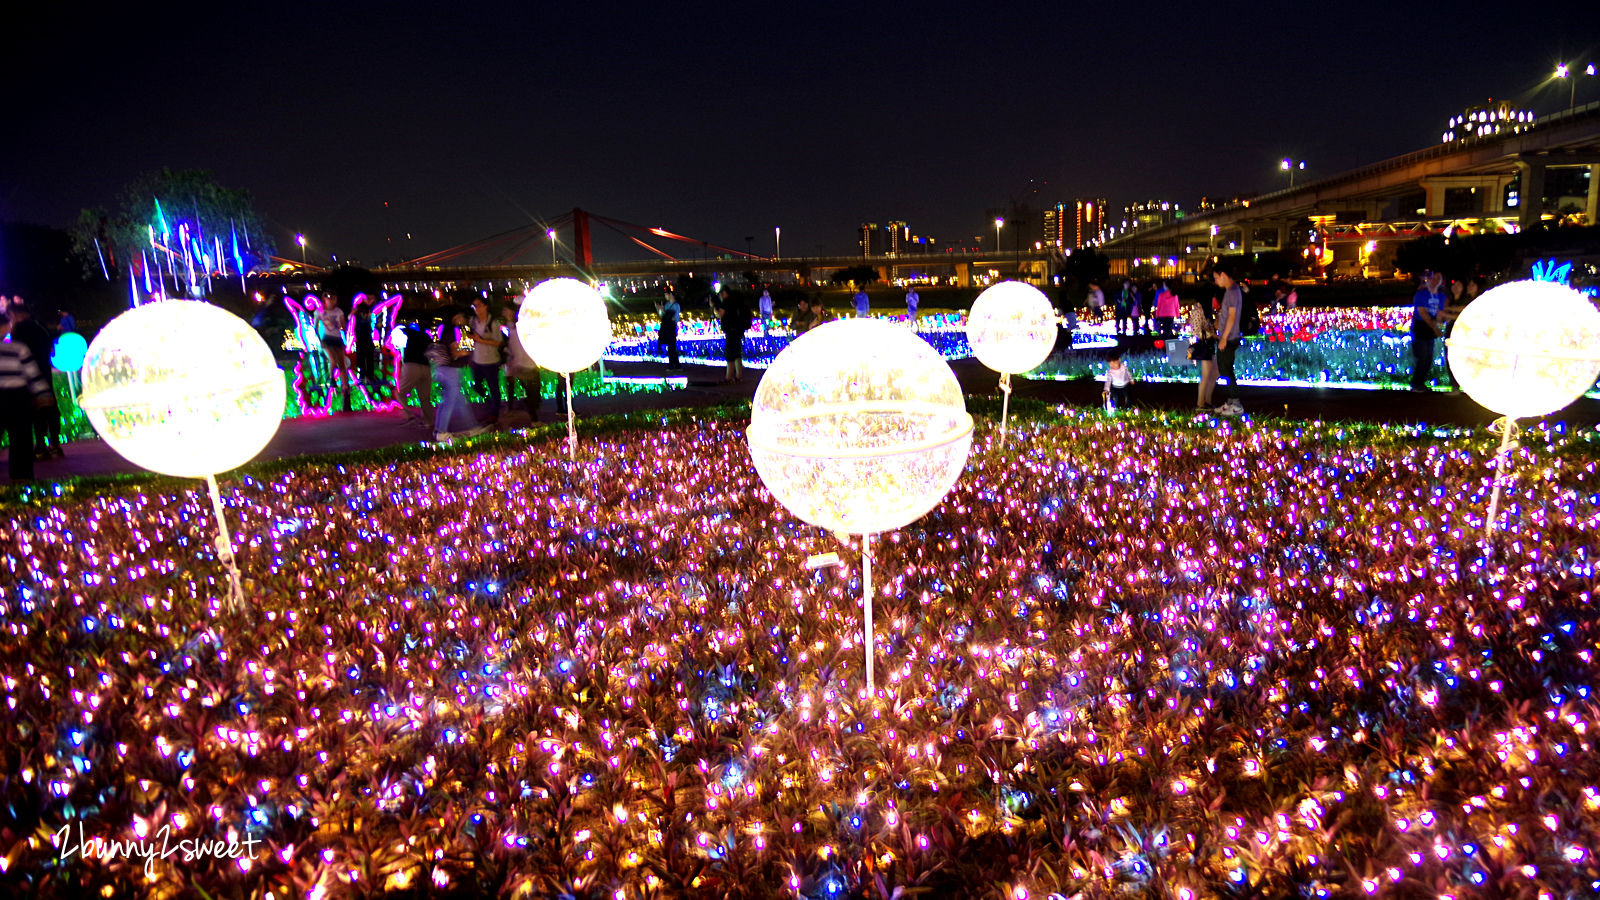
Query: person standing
x=46 y=416
x=911 y=305
x=449 y=356
x=668 y=312
x=1462 y=293
x=415 y=375
x=1203 y=353
x=521 y=369
x=1166 y=310
x=764 y=306
x=1097 y=303
x=1427 y=308
x=486 y=343
x=803 y=319
x=1124 y=305
x=734 y=317
x=366 y=349
x=331 y=319
x=23 y=389
x=1230 y=322
x=863 y=303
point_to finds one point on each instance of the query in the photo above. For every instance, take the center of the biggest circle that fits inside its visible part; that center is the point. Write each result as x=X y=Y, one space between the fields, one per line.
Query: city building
x=1209 y=204
x=870 y=239
x=1055 y=226
x=1089 y=222
x=1149 y=214
x=897 y=238
x=1484 y=121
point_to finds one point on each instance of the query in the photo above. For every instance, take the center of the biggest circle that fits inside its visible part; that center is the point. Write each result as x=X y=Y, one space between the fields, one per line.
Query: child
x=1118 y=377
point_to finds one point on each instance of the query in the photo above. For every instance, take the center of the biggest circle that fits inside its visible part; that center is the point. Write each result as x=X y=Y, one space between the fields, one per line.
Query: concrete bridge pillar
x=885 y=274
x=1491 y=190
x=1530 y=193
x=1592 y=208
x=964 y=274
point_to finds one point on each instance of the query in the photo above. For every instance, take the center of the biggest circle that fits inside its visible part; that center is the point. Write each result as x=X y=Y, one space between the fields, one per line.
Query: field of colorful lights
x=1129 y=657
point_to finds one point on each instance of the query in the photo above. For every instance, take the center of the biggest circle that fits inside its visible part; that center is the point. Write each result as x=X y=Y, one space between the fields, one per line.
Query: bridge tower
x=582 y=251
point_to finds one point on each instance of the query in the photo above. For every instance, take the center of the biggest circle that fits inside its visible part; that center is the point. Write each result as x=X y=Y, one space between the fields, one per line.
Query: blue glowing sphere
x=69 y=350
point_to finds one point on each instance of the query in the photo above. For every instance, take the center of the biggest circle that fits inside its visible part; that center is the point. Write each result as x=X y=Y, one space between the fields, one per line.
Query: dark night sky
x=722 y=121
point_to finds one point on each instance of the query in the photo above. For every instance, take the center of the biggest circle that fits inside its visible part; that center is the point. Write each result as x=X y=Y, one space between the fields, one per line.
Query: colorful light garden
x=1128 y=657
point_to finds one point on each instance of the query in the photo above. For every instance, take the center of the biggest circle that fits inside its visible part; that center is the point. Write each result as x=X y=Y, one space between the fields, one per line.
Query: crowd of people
x=1218 y=322
x=478 y=346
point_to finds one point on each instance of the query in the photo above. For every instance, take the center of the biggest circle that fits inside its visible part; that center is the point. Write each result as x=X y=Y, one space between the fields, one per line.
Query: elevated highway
x=963 y=267
x=1463 y=183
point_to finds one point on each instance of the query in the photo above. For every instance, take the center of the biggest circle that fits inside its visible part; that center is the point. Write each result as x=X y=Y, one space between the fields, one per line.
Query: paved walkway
x=364 y=431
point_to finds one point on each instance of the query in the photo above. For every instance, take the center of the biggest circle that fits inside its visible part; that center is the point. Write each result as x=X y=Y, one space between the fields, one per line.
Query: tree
x=862 y=275
x=186 y=217
x=1462 y=255
x=346 y=281
x=1079 y=269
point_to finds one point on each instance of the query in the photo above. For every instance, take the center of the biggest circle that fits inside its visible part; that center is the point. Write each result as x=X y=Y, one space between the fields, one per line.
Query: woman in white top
x=1203 y=352
x=331 y=317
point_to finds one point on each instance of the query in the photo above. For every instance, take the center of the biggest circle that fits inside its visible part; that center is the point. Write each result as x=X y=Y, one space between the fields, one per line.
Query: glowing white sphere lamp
x=859 y=427
x=1012 y=329
x=563 y=325
x=1527 y=348
x=187 y=389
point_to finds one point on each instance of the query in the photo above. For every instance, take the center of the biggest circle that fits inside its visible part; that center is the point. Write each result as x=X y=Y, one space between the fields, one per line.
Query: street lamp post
x=301 y=240
x=1572 y=87
x=1291 y=166
x=551 y=234
x=777 y=242
x=997 y=223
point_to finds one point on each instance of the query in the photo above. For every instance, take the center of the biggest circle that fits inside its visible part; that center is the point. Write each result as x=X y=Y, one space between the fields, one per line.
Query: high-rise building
x=1055 y=226
x=897 y=237
x=1089 y=222
x=870 y=239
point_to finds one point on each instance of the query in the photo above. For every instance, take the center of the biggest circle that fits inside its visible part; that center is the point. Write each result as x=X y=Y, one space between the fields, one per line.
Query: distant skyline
x=724 y=121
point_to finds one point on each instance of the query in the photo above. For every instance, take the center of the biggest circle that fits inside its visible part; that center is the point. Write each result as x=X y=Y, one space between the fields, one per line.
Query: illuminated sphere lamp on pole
x=186 y=389
x=1012 y=329
x=1527 y=348
x=563 y=325
x=859 y=427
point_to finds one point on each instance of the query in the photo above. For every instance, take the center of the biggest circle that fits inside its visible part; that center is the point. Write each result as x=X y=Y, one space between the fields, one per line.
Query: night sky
x=722 y=121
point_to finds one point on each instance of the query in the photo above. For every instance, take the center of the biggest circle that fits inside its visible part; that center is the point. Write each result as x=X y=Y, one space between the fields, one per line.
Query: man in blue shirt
x=1426 y=308
x=863 y=304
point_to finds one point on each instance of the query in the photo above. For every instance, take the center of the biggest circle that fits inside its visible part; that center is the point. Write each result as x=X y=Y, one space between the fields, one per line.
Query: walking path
x=345 y=432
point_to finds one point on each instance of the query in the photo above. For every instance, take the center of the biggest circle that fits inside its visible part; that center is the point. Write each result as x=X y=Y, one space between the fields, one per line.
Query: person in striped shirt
x=23 y=389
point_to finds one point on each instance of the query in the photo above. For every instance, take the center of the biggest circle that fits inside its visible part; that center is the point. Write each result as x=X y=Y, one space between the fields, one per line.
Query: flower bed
x=1125 y=658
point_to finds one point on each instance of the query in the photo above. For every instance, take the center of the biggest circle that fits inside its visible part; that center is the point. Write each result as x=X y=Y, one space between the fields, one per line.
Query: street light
x=1291 y=166
x=777 y=242
x=1572 y=88
x=551 y=234
x=301 y=240
x=997 y=223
